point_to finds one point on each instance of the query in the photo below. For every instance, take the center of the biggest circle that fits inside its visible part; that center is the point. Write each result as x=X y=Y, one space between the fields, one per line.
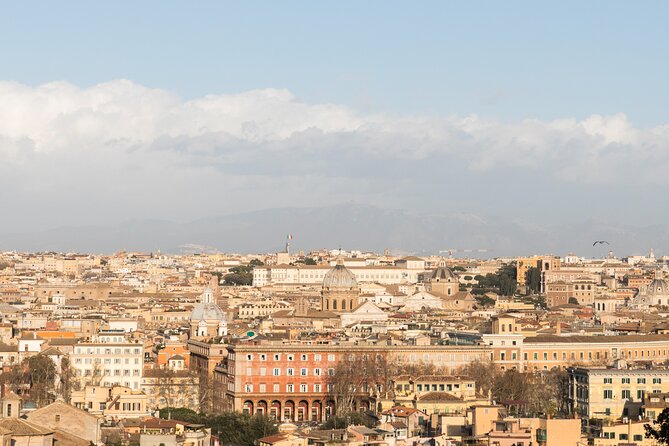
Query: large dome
x=658 y=287
x=207 y=312
x=339 y=278
x=443 y=273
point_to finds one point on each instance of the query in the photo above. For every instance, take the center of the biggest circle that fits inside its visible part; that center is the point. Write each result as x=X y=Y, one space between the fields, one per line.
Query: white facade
x=112 y=360
x=313 y=275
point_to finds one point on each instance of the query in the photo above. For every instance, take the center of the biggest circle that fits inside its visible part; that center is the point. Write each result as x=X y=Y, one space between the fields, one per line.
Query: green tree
x=309 y=261
x=256 y=262
x=485 y=301
x=533 y=279
x=182 y=414
x=232 y=428
x=239 y=275
x=235 y=428
x=659 y=430
x=348 y=419
x=573 y=300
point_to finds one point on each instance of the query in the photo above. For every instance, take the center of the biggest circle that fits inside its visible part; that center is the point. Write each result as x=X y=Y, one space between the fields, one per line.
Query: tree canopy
x=660 y=429
x=239 y=275
x=502 y=282
x=533 y=280
x=232 y=428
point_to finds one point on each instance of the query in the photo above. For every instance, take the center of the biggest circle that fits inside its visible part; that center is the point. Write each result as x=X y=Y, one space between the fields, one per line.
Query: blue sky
x=508 y=60
x=541 y=113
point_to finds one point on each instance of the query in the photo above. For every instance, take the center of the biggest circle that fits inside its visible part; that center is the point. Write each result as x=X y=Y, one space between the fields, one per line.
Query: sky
x=540 y=112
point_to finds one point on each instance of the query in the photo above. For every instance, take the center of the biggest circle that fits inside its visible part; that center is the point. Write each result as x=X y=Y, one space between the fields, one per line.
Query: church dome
x=207 y=312
x=658 y=287
x=339 y=278
x=443 y=273
x=207 y=309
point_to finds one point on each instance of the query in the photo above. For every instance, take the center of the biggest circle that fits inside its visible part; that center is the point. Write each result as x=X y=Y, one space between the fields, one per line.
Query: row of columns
x=291 y=410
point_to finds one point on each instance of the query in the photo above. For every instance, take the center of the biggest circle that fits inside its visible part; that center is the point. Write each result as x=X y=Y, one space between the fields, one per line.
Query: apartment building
x=115 y=402
x=512 y=350
x=314 y=275
x=109 y=359
x=290 y=381
x=542 y=263
x=614 y=393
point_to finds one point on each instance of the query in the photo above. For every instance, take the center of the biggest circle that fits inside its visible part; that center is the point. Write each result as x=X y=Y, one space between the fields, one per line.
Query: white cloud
x=121 y=115
x=139 y=149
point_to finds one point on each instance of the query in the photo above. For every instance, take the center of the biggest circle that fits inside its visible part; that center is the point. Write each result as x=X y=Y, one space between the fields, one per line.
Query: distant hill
x=351 y=226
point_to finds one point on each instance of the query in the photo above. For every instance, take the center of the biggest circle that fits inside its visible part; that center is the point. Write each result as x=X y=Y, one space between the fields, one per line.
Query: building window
x=608 y=394
x=608 y=380
x=276 y=372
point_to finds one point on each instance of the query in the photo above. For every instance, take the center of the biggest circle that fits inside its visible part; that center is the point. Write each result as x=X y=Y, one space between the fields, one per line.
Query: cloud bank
x=118 y=150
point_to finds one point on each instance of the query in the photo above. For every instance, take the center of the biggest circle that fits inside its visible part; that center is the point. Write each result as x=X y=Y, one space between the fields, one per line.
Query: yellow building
x=543 y=263
x=624 y=433
x=608 y=393
x=434 y=394
x=115 y=402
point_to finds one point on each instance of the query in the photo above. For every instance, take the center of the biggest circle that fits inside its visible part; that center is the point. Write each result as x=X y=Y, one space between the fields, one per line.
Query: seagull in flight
x=600 y=242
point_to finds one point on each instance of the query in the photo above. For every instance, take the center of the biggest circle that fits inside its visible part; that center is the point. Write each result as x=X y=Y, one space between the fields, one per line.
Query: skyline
x=532 y=124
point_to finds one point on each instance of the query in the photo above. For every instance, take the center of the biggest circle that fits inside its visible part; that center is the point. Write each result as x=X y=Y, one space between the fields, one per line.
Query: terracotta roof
x=67 y=439
x=20 y=427
x=595 y=339
x=400 y=411
x=274 y=438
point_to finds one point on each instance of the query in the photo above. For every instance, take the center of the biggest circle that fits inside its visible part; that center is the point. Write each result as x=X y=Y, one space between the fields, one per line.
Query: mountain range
x=349 y=226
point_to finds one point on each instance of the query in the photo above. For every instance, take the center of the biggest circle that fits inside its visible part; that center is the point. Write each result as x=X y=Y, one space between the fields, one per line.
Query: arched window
x=334 y=304
x=343 y=304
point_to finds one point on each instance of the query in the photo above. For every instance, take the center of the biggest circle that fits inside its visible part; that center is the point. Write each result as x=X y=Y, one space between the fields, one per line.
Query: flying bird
x=600 y=242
